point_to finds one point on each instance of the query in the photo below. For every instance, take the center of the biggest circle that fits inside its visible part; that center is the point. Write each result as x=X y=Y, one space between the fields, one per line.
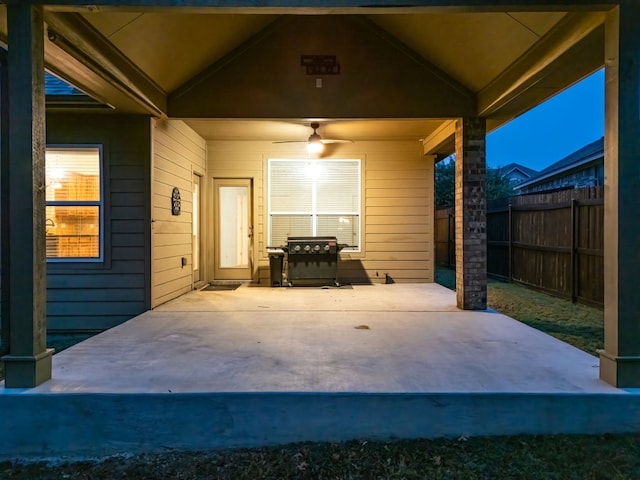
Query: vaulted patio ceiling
x=135 y=59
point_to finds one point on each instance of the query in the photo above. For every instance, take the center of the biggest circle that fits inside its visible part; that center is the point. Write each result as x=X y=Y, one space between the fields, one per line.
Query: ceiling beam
x=356 y=6
x=73 y=34
x=440 y=139
x=530 y=68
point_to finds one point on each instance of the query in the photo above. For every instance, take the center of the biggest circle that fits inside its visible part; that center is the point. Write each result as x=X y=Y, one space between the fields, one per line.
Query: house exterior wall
x=178 y=153
x=93 y=296
x=515 y=177
x=397 y=205
x=589 y=176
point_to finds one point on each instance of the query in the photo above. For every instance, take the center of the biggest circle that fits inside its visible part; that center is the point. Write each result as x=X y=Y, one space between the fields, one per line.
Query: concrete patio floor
x=264 y=365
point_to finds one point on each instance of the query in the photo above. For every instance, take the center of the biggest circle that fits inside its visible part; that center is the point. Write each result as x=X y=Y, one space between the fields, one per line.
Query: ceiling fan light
x=315 y=146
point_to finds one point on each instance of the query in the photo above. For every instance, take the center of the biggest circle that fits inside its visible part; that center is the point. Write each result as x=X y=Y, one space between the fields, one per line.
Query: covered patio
x=210 y=89
x=260 y=366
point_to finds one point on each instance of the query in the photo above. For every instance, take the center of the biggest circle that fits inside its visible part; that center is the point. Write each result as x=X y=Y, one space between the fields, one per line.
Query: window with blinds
x=314 y=198
x=73 y=203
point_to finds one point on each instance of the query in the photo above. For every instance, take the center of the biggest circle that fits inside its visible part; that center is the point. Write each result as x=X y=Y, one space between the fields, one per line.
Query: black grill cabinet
x=313 y=261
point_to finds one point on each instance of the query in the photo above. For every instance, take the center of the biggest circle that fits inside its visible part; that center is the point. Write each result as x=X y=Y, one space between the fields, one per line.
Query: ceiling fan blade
x=290 y=141
x=331 y=140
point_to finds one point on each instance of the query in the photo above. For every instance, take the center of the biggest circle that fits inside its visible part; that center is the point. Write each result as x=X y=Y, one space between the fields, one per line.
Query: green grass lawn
x=518 y=457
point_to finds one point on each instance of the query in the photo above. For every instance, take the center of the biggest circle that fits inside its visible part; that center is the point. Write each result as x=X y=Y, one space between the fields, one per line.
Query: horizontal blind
x=290 y=184
x=338 y=186
x=283 y=226
x=314 y=197
x=344 y=227
x=72 y=174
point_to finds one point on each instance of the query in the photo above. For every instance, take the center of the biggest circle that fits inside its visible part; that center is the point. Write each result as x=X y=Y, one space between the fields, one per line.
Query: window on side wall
x=315 y=198
x=74 y=203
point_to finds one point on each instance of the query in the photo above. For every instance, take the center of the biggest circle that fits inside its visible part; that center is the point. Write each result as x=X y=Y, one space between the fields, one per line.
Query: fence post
x=509 y=250
x=573 y=265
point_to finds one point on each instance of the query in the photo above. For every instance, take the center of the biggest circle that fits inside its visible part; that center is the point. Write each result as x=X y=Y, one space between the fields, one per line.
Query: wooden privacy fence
x=552 y=242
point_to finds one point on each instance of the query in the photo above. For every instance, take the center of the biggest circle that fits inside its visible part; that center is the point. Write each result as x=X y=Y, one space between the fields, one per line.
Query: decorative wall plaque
x=320 y=64
x=176 y=204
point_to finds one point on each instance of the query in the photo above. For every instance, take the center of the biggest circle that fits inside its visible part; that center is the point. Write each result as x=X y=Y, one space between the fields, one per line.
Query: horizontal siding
x=95 y=296
x=397 y=205
x=397 y=219
x=95 y=308
x=386 y=201
x=178 y=152
x=398 y=175
x=395 y=183
x=383 y=246
x=97 y=279
x=398 y=237
x=128 y=253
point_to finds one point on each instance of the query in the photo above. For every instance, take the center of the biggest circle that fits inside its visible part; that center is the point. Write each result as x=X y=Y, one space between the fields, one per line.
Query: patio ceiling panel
x=172 y=48
x=573 y=48
x=72 y=34
x=473 y=48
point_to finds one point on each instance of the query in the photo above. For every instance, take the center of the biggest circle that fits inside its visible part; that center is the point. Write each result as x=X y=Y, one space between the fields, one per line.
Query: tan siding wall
x=399 y=213
x=178 y=152
x=397 y=205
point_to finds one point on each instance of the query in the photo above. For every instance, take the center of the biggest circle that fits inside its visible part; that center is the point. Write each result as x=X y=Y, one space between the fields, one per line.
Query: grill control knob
x=297 y=248
x=316 y=248
x=307 y=248
x=326 y=247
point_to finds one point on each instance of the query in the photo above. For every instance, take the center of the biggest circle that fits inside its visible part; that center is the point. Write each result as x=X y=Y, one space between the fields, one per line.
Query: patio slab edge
x=77 y=426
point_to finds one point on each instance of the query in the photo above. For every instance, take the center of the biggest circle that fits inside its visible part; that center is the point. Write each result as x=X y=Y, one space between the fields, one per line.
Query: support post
x=510 y=249
x=574 y=251
x=23 y=203
x=620 y=359
x=4 y=154
x=471 y=214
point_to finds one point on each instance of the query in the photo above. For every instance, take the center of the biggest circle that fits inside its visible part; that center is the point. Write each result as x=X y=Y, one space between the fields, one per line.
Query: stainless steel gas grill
x=313 y=260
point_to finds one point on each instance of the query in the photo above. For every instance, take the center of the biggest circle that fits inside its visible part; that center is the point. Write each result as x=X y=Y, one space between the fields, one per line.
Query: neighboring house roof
x=54 y=86
x=60 y=94
x=583 y=156
x=511 y=167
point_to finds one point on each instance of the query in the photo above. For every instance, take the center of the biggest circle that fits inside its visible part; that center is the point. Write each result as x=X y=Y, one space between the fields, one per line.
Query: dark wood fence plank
x=553 y=242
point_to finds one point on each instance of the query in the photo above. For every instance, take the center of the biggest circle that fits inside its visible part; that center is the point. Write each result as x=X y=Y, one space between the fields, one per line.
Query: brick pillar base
x=471 y=214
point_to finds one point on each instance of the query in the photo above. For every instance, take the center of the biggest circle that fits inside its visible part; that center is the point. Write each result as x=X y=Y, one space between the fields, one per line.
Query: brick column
x=620 y=359
x=471 y=214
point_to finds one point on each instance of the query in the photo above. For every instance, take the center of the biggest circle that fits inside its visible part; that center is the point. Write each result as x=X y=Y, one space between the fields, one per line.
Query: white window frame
x=87 y=203
x=313 y=212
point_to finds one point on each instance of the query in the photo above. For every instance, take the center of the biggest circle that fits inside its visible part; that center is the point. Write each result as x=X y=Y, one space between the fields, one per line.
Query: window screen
x=314 y=197
x=73 y=203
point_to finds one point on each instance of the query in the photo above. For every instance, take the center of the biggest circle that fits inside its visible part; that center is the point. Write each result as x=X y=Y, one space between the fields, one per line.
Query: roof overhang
x=523 y=51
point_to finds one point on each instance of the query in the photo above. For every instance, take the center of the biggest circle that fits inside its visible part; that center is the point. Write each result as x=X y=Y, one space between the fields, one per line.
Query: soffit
x=173 y=47
x=472 y=48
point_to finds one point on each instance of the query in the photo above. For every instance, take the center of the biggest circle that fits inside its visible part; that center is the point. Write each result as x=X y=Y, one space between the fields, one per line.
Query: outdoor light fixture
x=315 y=145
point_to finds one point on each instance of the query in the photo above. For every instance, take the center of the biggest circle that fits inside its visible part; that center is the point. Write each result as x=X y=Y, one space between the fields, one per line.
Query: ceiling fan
x=315 y=143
